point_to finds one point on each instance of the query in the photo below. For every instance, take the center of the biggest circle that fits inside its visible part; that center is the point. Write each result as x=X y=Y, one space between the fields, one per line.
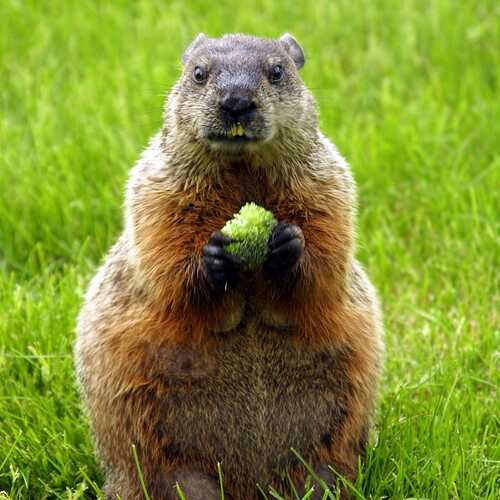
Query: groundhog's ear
x=294 y=49
x=195 y=43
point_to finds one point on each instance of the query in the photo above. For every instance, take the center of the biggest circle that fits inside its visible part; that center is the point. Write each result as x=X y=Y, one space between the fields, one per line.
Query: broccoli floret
x=251 y=227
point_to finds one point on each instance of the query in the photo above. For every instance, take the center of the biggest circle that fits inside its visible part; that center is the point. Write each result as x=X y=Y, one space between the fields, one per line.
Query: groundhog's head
x=239 y=92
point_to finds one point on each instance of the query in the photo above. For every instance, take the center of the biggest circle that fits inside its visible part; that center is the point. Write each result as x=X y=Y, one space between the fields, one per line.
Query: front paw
x=220 y=267
x=285 y=248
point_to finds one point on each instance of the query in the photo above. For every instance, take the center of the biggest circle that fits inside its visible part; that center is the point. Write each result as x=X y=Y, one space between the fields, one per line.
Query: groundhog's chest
x=250 y=400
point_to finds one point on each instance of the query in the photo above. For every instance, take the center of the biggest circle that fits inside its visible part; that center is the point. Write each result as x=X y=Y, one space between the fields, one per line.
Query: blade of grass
x=139 y=472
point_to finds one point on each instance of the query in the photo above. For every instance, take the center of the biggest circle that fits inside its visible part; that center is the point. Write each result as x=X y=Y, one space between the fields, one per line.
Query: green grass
x=408 y=90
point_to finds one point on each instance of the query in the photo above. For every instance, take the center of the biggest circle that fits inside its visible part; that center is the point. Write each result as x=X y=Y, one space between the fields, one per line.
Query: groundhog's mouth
x=230 y=139
x=234 y=135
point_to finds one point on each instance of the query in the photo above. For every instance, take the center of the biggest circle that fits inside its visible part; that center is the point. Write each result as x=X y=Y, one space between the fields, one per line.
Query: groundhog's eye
x=199 y=74
x=276 y=73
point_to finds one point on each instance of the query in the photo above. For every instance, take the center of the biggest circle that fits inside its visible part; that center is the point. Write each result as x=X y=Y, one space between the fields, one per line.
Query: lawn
x=407 y=90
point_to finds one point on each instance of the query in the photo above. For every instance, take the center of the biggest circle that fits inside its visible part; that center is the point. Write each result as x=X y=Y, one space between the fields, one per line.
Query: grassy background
x=408 y=90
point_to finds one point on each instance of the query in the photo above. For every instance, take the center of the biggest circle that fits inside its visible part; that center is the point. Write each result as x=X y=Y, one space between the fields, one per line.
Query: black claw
x=213 y=251
x=291 y=249
x=285 y=245
x=219 y=239
x=220 y=266
x=215 y=264
x=281 y=234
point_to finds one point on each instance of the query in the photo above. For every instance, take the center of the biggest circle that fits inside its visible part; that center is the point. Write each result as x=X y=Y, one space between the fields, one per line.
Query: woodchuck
x=184 y=353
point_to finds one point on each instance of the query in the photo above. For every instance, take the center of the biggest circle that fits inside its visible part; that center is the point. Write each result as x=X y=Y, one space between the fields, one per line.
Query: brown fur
x=192 y=378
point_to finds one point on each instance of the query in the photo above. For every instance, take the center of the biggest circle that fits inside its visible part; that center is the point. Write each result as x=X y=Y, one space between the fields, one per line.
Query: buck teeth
x=237 y=130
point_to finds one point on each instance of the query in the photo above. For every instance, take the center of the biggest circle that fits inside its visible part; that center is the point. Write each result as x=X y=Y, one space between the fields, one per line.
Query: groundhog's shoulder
x=333 y=171
x=151 y=167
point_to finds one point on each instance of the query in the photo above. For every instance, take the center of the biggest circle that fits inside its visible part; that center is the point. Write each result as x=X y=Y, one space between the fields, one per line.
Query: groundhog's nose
x=237 y=108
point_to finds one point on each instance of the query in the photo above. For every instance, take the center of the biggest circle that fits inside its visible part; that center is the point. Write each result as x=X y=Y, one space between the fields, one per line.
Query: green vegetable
x=251 y=227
